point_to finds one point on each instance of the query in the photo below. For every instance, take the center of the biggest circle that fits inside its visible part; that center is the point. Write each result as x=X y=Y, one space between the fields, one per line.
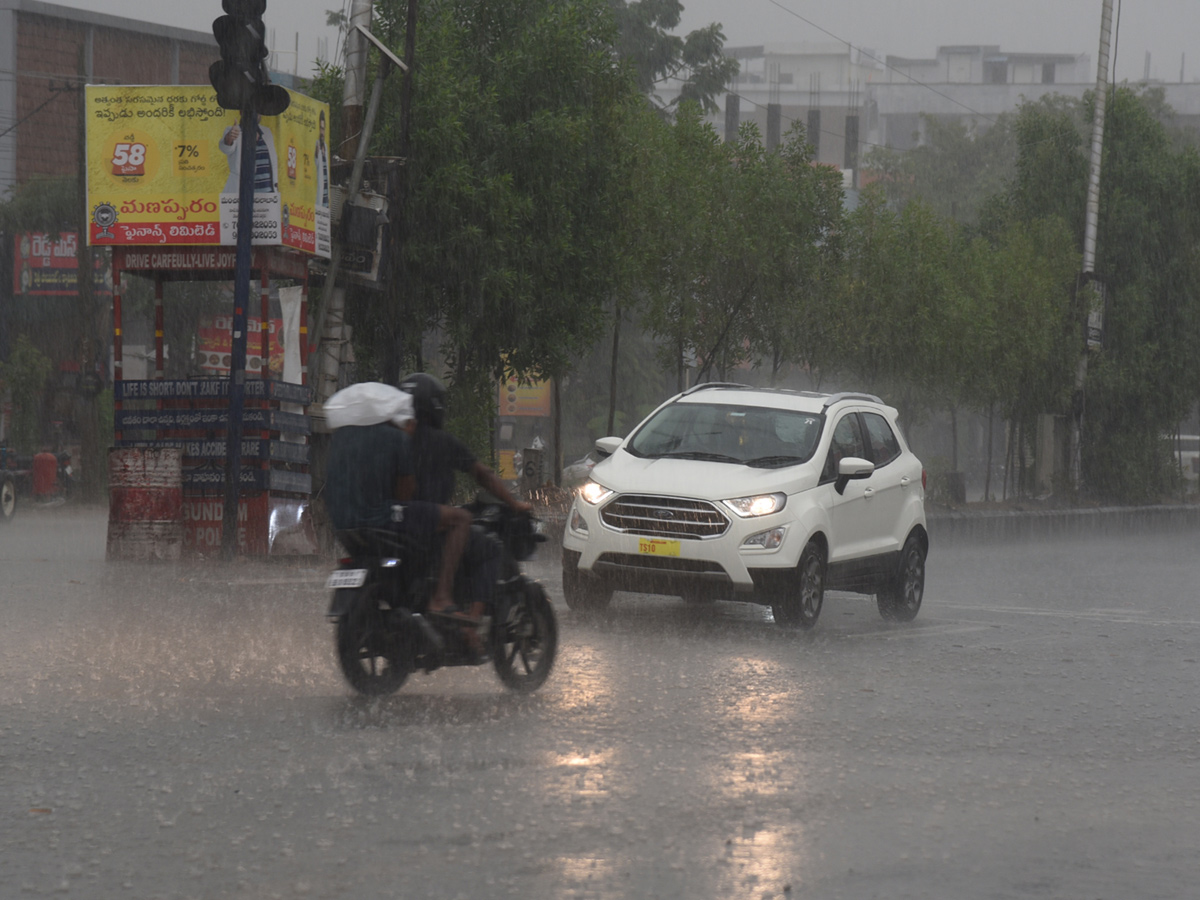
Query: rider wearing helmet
x=370 y=478
x=437 y=456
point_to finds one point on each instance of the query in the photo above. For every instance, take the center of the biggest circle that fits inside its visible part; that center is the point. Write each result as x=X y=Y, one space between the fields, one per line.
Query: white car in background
x=768 y=496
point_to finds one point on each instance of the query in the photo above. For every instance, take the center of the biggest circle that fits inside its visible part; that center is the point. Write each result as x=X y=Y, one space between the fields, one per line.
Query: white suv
x=768 y=496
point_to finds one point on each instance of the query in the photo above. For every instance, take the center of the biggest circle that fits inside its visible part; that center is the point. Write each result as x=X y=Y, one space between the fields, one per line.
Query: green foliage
x=657 y=56
x=547 y=206
x=1147 y=379
x=503 y=238
x=25 y=375
x=328 y=86
x=954 y=171
x=42 y=204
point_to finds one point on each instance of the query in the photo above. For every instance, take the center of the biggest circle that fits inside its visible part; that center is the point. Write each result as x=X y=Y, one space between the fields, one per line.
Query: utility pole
x=1089 y=287
x=331 y=315
x=354 y=86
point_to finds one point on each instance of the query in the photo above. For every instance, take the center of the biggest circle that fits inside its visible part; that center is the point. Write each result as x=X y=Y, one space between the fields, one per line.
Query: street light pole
x=1092 y=290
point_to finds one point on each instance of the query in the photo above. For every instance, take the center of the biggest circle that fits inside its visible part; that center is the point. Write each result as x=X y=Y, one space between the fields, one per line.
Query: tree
x=504 y=237
x=1145 y=378
x=658 y=56
x=800 y=207
x=953 y=171
x=25 y=374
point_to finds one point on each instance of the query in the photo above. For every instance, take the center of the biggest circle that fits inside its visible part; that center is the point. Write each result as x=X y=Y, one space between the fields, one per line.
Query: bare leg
x=456 y=523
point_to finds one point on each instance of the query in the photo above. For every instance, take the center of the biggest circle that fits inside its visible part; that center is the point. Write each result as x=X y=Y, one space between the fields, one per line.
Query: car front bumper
x=722 y=564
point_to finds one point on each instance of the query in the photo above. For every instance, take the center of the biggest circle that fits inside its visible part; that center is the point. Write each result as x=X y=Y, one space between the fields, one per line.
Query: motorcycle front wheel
x=526 y=642
x=372 y=659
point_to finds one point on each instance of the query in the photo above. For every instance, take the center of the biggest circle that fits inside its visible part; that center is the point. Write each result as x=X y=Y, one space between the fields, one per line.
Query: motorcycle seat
x=379 y=543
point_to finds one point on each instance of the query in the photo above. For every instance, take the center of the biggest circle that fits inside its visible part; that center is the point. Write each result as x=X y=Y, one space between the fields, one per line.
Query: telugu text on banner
x=164 y=161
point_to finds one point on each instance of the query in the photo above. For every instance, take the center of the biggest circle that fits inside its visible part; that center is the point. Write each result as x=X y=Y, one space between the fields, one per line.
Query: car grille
x=668 y=565
x=664 y=517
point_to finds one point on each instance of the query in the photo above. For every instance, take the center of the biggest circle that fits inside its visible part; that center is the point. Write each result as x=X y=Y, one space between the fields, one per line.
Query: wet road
x=182 y=732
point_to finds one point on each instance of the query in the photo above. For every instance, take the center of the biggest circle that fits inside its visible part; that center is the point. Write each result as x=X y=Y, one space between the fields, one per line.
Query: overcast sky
x=1168 y=29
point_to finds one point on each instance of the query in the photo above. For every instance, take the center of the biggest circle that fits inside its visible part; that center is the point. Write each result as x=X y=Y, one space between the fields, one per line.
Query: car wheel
x=581 y=593
x=8 y=498
x=802 y=604
x=900 y=601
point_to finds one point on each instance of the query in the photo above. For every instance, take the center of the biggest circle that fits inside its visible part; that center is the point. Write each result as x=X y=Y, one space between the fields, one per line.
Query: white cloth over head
x=368 y=403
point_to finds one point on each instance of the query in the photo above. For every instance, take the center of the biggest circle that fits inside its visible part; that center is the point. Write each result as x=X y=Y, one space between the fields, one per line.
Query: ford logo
x=663 y=514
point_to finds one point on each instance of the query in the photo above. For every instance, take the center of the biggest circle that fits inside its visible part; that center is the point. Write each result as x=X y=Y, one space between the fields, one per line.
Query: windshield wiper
x=699 y=454
x=773 y=462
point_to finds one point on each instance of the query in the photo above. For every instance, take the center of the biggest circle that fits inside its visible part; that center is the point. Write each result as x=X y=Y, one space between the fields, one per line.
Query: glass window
x=884 y=446
x=748 y=435
x=847 y=442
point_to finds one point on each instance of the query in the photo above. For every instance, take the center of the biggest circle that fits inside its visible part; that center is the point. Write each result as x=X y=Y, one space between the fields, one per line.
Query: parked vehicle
x=8 y=496
x=381 y=592
x=578 y=472
x=767 y=496
x=44 y=477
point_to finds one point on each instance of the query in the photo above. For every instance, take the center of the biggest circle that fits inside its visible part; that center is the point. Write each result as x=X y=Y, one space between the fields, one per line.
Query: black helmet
x=429 y=398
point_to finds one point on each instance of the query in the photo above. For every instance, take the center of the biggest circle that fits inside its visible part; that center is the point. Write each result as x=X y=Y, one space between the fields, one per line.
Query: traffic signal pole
x=237 y=366
x=242 y=83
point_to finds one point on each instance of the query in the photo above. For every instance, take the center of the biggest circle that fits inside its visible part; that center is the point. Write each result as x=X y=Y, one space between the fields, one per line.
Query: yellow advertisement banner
x=164 y=164
x=518 y=399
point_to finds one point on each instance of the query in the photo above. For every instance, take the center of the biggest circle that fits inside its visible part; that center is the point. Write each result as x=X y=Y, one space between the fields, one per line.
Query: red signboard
x=214 y=345
x=47 y=265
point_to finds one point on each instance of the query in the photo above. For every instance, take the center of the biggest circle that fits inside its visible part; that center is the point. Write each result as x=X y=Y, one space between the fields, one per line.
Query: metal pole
x=354 y=86
x=1091 y=226
x=332 y=298
x=237 y=366
x=1093 y=193
x=325 y=349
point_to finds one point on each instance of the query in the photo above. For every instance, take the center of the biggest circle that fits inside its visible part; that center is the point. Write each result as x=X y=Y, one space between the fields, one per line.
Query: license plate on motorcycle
x=346 y=578
x=658 y=547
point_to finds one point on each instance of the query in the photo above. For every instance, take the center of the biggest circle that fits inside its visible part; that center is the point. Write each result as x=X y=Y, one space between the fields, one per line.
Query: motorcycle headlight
x=759 y=505
x=594 y=493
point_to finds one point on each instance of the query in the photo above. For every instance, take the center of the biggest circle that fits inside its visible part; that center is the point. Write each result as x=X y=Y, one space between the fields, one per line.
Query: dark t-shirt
x=360 y=483
x=437 y=455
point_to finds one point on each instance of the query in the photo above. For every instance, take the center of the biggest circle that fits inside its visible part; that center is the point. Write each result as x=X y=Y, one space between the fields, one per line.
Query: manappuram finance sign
x=164 y=165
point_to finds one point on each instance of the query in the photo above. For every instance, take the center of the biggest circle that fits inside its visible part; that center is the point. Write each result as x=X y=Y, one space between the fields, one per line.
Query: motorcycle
x=381 y=592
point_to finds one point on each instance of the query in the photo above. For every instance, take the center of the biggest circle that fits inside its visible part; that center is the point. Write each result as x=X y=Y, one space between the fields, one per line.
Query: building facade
x=49 y=52
x=850 y=99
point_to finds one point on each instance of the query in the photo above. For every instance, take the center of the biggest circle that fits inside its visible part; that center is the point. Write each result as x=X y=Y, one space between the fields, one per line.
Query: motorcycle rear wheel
x=526 y=643
x=372 y=660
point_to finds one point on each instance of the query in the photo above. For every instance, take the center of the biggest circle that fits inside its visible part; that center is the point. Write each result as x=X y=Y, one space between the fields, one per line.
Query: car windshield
x=745 y=435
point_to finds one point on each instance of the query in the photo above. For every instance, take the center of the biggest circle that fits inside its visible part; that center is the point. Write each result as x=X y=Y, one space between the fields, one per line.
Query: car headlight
x=760 y=505
x=594 y=493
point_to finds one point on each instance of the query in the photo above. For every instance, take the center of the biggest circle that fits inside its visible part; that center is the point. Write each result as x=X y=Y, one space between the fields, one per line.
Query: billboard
x=518 y=399
x=164 y=163
x=46 y=265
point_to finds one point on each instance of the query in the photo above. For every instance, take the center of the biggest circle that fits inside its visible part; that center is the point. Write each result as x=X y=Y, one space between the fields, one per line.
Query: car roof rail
x=849 y=395
x=718 y=384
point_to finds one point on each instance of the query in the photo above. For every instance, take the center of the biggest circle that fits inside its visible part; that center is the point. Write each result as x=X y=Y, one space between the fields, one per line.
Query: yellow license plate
x=656 y=547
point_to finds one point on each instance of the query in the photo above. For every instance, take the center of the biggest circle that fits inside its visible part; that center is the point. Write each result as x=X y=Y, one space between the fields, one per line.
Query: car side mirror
x=852 y=468
x=607 y=446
